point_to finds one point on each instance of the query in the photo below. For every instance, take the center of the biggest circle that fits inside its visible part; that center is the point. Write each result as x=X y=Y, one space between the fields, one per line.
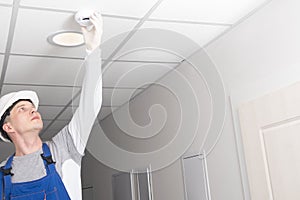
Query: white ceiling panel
x=114 y=32
x=112 y=27
x=134 y=74
x=123 y=8
x=1 y=62
x=151 y=54
x=5 y=13
x=49 y=134
x=36 y=36
x=150 y=44
x=119 y=96
x=68 y=113
x=31 y=33
x=6 y=1
x=214 y=11
x=51 y=71
x=58 y=125
x=46 y=123
x=75 y=102
x=201 y=34
x=116 y=97
x=49 y=112
x=48 y=95
x=105 y=111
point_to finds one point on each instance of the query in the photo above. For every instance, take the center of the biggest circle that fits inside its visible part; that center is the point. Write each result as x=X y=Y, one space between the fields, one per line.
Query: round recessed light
x=66 y=39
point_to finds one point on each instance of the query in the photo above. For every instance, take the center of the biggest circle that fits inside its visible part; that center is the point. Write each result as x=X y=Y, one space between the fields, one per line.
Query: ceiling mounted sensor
x=82 y=17
x=73 y=38
x=66 y=39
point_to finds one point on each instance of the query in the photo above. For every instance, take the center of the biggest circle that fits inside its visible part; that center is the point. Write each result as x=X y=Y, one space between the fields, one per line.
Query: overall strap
x=6 y=177
x=47 y=158
x=1 y=185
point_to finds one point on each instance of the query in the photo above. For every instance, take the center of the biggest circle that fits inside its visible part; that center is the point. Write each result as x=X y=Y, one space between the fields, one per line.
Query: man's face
x=24 y=118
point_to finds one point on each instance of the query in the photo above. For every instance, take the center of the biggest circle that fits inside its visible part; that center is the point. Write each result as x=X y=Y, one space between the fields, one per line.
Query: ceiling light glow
x=66 y=39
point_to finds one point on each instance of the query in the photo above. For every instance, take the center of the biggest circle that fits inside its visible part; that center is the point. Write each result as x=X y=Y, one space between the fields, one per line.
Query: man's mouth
x=36 y=117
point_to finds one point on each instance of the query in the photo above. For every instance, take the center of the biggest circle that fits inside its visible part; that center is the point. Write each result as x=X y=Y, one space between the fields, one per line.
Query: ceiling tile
x=113 y=27
x=150 y=44
x=116 y=97
x=215 y=11
x=46 y=123
x=201 y=34
x=123 y=8
x=134 y=74
x=6 y=1
x=51 y=71
x=75 y=102
x=132 y=52
x=58 y=125
x=120 y=96
x=58 y=96
x=49 y=112
x=49 y=134
x=68 y=113
x=31 y=33
x=1 y=62
x=114 y=31
x=53 y=129
x=105 y=111
x=5 y=13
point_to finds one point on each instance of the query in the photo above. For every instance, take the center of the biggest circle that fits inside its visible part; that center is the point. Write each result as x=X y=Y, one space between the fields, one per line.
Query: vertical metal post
x=207 y=187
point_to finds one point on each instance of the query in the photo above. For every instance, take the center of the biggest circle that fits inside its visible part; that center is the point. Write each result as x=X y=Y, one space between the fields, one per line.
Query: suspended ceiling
x=28 y=61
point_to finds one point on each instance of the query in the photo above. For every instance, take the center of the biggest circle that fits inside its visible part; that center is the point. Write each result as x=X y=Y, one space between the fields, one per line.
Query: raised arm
x=91 y=93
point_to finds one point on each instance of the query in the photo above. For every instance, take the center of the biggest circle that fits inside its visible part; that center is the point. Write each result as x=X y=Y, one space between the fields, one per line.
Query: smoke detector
x=82 y=17
x=73 y=38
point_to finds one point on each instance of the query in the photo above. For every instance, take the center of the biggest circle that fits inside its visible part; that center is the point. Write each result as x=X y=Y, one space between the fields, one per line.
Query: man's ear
x=7 y=127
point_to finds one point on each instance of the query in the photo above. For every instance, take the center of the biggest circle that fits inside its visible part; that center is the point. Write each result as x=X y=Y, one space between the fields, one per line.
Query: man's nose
x=33 y=110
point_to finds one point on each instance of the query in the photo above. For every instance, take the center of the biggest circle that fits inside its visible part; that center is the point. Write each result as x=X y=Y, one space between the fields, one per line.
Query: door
x=132 y=186
x=122 y=187
x=196 y=178
x=270 y=128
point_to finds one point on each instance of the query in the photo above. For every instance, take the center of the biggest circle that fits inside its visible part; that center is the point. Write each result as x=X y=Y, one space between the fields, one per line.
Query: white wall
x=7 y=149
x=97 y=176
x=259 y=55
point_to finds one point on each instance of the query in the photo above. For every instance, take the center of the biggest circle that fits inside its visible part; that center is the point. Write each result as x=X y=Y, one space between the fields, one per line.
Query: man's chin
x=39 y=128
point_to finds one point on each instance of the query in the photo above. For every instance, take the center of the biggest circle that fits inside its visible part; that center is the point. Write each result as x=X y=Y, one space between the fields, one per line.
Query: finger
x=84 y=30
x=96 y=23
x=97 y=17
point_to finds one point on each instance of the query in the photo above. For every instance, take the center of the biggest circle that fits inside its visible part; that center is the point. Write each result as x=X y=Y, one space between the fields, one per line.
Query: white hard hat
x=9 y=99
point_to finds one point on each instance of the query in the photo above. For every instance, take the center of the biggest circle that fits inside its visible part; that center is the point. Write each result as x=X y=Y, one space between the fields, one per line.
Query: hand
x=93 y=36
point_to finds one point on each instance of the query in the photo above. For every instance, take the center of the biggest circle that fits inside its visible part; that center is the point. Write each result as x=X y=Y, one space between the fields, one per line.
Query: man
x=50 y=170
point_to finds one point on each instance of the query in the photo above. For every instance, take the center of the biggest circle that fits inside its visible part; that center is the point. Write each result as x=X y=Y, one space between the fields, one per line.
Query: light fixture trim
x=54 y=39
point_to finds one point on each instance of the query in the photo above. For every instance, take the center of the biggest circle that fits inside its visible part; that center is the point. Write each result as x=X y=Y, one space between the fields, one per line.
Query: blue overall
x=49 y=187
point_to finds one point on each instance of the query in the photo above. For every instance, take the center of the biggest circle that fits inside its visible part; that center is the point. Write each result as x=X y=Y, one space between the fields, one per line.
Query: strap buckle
x=6 y=171
x=48 y=159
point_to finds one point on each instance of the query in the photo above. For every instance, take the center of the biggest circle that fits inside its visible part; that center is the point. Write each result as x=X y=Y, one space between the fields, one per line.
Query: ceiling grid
x=13 y=19
x=27 y=54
